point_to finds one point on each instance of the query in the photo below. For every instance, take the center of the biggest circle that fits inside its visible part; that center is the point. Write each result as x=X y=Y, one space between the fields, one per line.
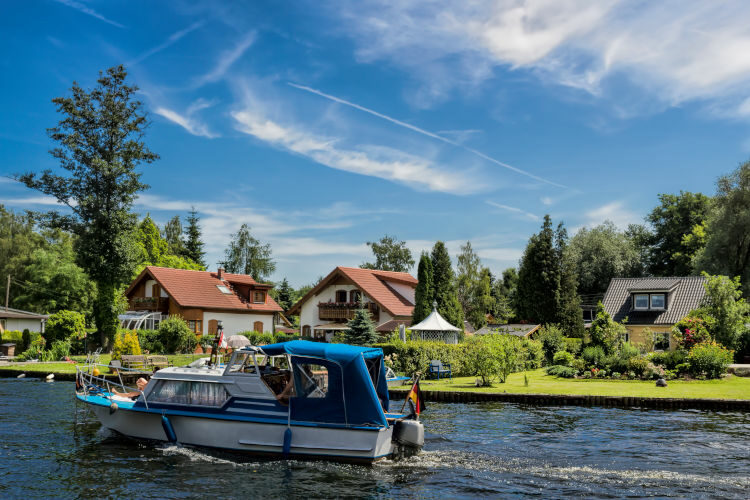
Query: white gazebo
x=435 y=327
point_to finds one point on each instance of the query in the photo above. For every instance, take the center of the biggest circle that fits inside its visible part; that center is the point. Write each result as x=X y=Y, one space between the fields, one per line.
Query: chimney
x=219 y=273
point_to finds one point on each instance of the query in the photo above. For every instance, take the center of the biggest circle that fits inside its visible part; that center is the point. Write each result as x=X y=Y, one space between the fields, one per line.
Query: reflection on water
x=53 y=447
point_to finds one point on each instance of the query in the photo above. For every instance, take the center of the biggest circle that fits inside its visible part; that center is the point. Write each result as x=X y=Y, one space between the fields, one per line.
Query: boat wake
x=477 y=463
x=195 y=455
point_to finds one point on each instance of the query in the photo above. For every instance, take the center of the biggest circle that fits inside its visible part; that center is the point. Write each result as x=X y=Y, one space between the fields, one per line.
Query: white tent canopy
x=435 y=327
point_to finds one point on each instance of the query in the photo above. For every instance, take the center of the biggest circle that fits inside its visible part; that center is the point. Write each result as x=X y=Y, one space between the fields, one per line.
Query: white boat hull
x=253 y=437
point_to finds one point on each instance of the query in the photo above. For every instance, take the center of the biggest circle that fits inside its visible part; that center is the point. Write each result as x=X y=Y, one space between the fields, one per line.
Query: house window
x=306 y=330
x=657 y=301
x=258 y=326
x=195 y=325
x=625 y=337
x=354 y=296
x=640 y=301
x=341 y=296
x=661 y=341
x=224 y=289
x=259 y=297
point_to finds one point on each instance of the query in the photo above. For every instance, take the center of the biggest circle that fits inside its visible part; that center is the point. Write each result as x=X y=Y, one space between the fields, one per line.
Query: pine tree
x=425 y=293
x=445 y=286
x=193 y=242
x=361 y=328
x=538 y=292
x=173 y=235
x=285 y=295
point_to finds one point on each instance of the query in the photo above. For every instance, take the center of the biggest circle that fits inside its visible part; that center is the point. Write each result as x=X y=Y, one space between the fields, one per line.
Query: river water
x=51 y=447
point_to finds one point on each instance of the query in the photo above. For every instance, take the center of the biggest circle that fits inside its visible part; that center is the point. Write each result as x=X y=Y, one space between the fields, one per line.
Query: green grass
x=104 y=359
x=541 y=383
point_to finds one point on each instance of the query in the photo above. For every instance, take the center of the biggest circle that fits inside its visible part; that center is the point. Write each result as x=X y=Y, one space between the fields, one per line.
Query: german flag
x=415 y=396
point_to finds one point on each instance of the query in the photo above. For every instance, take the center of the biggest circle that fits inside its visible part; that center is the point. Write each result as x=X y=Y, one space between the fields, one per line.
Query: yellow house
x=654 y=303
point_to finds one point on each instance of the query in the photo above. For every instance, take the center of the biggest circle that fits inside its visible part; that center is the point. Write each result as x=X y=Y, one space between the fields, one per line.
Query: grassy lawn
x=175 y=359
x=541 y=383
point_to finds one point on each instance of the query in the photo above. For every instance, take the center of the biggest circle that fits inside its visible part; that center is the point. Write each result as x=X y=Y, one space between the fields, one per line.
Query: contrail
x=423 y=132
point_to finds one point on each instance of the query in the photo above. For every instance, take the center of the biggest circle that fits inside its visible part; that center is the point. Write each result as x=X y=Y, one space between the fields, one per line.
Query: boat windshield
x=242 y=362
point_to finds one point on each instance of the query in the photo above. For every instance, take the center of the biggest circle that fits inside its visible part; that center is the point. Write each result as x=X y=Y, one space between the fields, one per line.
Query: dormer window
x=657 y=301
x=224 y=289
x=640 y=301
x=259 y=297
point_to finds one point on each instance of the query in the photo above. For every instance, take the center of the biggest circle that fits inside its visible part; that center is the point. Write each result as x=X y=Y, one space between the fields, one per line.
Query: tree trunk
x=105 y=314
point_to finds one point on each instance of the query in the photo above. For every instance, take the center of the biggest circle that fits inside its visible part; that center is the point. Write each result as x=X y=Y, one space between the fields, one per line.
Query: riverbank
x=727 y=393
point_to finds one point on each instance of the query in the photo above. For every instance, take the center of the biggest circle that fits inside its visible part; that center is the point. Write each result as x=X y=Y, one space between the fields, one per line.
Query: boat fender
x=168 y=430
x=96 y=372
x=22 y=375
x=287 y=441
x=113 y=408
x=51 y=377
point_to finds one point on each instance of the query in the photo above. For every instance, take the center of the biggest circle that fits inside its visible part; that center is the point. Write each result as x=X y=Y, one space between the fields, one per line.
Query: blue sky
x=327 y=124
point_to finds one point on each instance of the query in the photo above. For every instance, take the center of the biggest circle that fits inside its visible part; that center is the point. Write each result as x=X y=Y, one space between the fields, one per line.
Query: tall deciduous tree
x=247 y=255
x=193 y=242
x=445 y=286
x=424 y=294
x=727 y=248
x=474 y=287
x=100 y=144
x=390 y=255
x=600 y=254
x=153 y=250
x=724 y=302
x=675 y=217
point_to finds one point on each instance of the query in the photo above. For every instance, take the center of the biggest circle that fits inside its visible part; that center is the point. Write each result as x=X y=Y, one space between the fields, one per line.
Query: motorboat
x=296 y=399
x=394 y=380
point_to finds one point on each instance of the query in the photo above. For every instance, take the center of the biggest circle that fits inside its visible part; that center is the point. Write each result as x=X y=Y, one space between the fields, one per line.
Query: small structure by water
x=434 y=327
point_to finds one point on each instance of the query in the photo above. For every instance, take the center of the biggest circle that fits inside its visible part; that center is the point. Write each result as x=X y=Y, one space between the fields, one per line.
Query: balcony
x=344 y=311
x=149 y=304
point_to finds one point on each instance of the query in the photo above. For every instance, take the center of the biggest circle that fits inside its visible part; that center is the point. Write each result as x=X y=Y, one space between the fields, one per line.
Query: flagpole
x=417 y=376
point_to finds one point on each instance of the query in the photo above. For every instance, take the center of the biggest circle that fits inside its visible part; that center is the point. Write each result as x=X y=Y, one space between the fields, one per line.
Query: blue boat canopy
x=356 y=391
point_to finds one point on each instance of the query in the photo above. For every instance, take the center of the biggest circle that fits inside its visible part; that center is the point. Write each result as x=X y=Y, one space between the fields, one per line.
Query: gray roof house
x=656 y=303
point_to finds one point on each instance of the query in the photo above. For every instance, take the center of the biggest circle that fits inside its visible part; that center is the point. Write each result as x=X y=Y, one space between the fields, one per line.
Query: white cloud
x=674 y=50
x=501 y=254
x=616 y=212
x=89 y=11
x=371 y=160
x=226 y=59
x=516 y=210
x=423 y=132
x=187 y=121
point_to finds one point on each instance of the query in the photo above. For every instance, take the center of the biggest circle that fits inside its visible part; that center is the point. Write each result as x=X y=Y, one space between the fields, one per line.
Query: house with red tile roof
x=326 y=309
x=203 y=298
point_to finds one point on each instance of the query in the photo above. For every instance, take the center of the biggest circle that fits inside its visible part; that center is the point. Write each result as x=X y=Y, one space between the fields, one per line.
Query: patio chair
x=438 y=368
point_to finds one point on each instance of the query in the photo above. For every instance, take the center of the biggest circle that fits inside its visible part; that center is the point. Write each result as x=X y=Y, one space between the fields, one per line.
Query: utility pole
x=7 y=294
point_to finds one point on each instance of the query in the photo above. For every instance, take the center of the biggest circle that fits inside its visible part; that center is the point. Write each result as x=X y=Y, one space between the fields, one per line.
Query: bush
x=176 y=336
x=259 y=338
x=562 y=358
x=491 y=357
x=126 y=342
x=65 y=325
x=637 y=366
x=531 y=355
x=573 y=345
x=690 y=331
x=60 y=350
x=605 y=332
x=562 y=371
x=593 y=356
x=415 y=355
x=668 y=359
x=578 y=365
x=150 y=341
x=26 y=338
x=709 y=358
x=552 y=340
x=35 y=350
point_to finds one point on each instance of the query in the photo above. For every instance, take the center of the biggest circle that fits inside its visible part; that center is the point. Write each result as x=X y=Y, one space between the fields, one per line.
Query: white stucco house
x=326 y=309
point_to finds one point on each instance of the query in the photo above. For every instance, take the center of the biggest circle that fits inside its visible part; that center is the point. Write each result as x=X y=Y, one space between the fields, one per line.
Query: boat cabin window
x=242 y=362
x=188 y=393
x=312 y=380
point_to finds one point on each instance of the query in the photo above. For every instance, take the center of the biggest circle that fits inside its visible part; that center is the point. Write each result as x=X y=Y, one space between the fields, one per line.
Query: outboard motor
x=408 y=438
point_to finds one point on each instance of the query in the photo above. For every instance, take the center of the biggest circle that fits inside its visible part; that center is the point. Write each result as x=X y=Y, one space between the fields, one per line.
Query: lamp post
x=217 y=343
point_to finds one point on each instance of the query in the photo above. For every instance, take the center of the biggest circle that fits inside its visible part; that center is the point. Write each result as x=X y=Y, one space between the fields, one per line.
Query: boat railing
x=86 y=379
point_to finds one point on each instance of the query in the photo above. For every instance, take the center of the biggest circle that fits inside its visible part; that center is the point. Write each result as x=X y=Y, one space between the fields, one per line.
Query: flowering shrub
x=690 y=331
x=709 y=358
